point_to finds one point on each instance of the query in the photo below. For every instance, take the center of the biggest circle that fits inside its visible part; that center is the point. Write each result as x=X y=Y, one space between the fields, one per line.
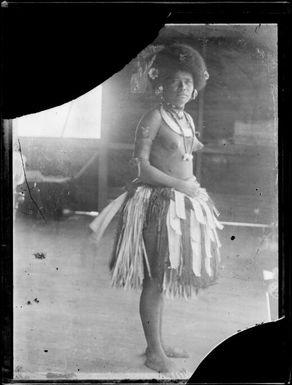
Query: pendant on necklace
x=187 y=156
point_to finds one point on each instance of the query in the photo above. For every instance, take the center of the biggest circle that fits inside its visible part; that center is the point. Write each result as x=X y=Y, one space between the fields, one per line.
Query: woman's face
x=178 y=88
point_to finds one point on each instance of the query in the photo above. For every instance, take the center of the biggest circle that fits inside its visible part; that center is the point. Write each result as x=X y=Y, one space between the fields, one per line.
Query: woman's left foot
x=174 y=352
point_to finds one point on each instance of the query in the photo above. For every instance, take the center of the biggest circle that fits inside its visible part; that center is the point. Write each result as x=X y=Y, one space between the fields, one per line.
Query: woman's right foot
x=160 y=363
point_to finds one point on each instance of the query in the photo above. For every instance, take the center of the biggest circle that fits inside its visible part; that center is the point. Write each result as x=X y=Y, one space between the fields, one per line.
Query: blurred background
x=236 y=116
x=76 y=160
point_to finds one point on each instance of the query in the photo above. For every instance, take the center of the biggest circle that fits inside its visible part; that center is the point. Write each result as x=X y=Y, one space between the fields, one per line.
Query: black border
x=17 y=29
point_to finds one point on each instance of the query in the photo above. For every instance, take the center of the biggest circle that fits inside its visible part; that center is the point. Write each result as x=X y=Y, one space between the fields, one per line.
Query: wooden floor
x=69 y=322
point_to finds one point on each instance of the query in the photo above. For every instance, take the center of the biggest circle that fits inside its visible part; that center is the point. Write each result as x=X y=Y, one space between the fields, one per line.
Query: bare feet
x=160 y=363
x=173 y=352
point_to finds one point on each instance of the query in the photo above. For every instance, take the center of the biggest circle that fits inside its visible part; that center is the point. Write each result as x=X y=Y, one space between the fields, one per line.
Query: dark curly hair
x=178 y=57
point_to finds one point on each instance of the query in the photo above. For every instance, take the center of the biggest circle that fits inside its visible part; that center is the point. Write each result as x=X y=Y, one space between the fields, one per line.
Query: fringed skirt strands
x=165 y=234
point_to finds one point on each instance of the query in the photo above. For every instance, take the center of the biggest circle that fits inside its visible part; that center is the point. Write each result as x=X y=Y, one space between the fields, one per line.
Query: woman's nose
x=182 y=86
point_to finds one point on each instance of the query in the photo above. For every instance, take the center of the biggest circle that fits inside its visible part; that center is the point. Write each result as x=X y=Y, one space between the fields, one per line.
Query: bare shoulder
x=152 y=117
x=150 y=123
x=188 y=115
x=190 y=118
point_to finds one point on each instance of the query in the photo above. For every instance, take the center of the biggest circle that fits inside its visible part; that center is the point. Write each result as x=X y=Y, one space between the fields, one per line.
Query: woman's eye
x=178 y=82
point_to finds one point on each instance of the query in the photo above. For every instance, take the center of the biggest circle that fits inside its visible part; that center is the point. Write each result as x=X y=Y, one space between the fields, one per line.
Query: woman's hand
x=189 y=187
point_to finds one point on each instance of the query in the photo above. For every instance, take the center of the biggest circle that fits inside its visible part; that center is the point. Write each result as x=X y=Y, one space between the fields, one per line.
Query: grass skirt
x=165 y=234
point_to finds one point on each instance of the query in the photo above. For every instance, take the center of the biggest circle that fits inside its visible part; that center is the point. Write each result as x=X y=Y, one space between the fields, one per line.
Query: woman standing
x=166 y=241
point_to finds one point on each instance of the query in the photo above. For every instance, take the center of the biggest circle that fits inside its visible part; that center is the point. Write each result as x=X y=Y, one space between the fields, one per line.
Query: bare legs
x=170 y=351
x=151 y=312
x=151 y=303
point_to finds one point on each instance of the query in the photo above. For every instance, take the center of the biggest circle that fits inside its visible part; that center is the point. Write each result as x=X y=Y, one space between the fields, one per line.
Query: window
x=80 y=118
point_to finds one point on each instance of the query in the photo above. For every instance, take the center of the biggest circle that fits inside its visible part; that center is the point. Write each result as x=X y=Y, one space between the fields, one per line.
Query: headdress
x=177 y=57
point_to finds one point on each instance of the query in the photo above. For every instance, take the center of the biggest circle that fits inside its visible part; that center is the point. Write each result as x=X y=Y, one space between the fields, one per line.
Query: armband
x=136 y=162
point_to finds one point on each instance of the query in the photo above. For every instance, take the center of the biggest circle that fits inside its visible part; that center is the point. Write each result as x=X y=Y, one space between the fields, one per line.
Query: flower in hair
x=153 y=73
x=159 y=90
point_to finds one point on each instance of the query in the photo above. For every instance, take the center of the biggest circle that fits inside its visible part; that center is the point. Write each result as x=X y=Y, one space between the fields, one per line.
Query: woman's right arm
x=145 y=134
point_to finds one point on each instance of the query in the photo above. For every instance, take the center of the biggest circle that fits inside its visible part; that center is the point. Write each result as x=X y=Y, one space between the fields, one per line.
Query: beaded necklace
x=170 y=109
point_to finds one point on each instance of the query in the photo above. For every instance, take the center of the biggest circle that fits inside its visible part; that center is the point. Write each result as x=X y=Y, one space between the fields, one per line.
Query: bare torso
x=167 y=153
